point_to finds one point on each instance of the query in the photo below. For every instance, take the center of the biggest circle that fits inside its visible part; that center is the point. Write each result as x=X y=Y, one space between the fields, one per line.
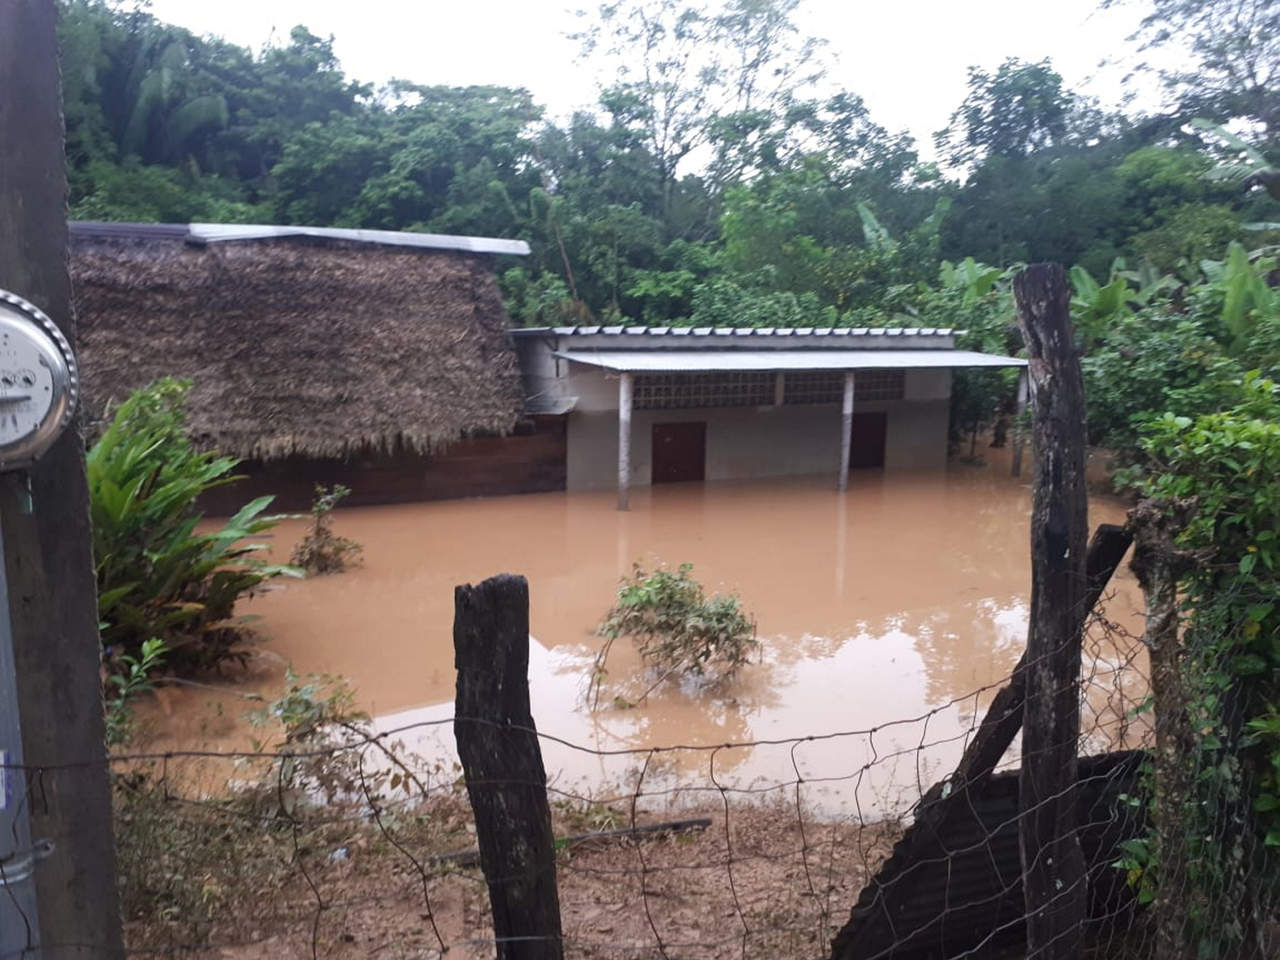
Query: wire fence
x=343 y=842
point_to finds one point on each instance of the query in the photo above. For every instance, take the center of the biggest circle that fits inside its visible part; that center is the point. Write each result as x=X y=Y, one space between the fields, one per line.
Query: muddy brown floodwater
x=886 y=615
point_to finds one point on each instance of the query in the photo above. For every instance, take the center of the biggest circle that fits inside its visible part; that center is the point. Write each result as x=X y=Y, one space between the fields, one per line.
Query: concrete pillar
x=846 y=431
x=624 y=441
x=779 y=388
x=1019 y=435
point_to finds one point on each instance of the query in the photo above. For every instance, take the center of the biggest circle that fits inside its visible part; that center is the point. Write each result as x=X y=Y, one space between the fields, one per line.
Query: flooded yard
x=888 y=616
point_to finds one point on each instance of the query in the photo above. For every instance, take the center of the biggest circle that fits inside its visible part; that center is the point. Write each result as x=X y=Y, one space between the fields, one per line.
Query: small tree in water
x=321 y=550
x=678 y=628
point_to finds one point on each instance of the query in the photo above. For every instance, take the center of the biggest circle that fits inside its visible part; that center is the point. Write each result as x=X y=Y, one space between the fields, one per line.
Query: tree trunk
x=1159 y=564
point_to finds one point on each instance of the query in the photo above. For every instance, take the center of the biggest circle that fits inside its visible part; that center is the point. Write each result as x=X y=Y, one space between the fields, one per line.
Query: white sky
x=907 y=61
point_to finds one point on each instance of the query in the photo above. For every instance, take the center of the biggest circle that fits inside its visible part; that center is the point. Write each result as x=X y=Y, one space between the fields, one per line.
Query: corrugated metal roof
x=127 y=231
x=223 y=232
x=591 y=331
x=548 y=404
x=673 y=361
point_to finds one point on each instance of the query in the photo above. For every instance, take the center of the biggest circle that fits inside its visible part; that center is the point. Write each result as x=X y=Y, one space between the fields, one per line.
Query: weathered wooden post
x=952 y=799
x=1053 y=873
x=502 y=764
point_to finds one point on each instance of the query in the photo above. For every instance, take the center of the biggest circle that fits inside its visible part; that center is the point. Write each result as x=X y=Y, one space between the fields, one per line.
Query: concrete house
x=665 y=404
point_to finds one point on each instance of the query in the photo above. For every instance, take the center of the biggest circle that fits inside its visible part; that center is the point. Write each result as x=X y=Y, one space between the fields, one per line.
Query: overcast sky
x=907 y=60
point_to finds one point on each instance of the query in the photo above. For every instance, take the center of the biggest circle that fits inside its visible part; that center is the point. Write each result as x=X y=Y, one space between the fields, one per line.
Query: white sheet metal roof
x=676 y=361
x=216 y=232
x=202 y=233
x=737 y=333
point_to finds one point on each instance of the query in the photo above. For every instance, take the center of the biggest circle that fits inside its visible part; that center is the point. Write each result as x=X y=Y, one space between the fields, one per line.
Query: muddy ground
x=757 y=883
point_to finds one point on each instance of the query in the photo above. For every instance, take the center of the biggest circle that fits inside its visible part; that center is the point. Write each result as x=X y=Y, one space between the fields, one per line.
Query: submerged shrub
x=157 y=577
x=677 y=627
x=321 y=550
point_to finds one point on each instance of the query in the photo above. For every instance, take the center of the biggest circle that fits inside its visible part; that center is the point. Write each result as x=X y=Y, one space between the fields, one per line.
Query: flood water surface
x=888 y=613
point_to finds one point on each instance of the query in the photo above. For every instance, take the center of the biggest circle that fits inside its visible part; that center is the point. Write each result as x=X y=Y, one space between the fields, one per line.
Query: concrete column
x=624 y=441
x=779 y=388
x=846 y=431
x=1019 y=435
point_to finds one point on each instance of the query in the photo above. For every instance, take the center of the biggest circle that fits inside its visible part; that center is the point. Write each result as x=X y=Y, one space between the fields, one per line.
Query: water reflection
x=890 y=602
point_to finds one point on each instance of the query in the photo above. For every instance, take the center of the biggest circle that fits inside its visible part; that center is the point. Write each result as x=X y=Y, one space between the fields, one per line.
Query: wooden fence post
x=953 y=798
x=1053 y=872
x=502 y=764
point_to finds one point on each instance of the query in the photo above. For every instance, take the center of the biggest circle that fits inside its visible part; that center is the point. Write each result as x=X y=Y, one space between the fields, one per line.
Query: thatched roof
x=317 y=347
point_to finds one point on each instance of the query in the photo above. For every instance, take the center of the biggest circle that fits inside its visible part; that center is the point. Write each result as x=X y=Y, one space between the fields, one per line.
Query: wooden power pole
x=1053 y=872
x=44 y=519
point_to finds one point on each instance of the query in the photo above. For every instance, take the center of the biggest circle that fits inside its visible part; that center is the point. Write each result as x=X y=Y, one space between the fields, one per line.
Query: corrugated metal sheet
x=90 y=229
x=677 y=361
x=800 y=332
x=549 y=405
x=200 y=233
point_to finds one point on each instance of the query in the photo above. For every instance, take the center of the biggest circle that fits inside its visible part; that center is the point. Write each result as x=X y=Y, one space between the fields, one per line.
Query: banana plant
x=1147 y=281
x=1096 y=307
x=878 y=238
x=1247 y=297
x=976 y=279
x=1249 y=168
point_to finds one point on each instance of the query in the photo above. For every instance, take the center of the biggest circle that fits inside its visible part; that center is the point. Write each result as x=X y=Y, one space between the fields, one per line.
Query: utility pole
x=44 y=519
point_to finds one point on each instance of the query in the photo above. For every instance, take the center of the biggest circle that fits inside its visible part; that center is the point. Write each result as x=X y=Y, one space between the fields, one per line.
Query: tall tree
x=1234 y=48
x=695 y=77
x=1020 y=108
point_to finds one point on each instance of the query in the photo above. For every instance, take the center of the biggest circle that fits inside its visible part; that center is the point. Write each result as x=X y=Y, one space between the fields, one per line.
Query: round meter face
x=38 y=382
x=26 y=386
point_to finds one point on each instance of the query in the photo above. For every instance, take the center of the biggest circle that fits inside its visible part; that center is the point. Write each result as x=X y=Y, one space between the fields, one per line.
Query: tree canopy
x=720 y=178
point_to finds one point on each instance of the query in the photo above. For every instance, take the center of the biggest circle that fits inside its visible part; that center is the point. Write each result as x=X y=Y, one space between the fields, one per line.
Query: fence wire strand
x=356 y=846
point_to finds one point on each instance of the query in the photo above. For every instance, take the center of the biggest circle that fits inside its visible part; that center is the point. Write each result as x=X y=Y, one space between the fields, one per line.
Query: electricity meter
x=39 y=385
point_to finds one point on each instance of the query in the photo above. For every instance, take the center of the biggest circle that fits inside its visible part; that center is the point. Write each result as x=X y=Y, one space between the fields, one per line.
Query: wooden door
x=679 y=452
x=866 y=448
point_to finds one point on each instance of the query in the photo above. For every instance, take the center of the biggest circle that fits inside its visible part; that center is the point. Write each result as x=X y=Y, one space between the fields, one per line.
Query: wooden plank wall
x=531 y=460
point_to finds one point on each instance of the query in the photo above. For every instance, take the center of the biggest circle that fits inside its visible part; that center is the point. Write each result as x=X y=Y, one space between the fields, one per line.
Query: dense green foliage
x=730 y=193
x=158 y=576
x=1219 y=473
x=1168 y=346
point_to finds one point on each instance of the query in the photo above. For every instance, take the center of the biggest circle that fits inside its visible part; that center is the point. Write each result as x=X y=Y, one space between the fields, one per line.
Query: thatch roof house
x=312 y=352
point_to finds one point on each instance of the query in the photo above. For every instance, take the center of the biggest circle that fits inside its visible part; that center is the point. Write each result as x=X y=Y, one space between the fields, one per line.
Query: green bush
x=678 y=628
x=157 y=576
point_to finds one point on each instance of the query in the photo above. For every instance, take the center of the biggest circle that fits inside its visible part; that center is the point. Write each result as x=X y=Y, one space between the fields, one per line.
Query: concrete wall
x=749 y=442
